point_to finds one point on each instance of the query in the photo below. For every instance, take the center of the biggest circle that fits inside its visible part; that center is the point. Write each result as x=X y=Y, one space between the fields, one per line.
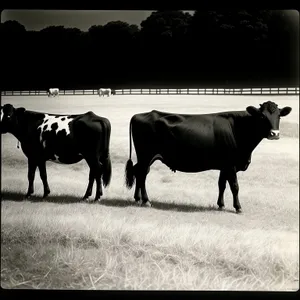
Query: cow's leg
x=99 y=191
x=32 y=165
x=143 y=172
x=143 y=176
x=96 y=168
x=89 y=189
x=140 y=173
x=222 y=187
x=43 y=175
x=234 y=186
x=137 y=192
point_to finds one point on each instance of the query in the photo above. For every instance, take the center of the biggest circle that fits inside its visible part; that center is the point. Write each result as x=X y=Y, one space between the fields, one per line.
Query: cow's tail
x=107 y=170
x=129 y=170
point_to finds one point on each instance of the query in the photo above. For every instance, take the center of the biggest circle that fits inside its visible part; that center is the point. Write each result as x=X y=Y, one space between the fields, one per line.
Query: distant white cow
x=104 y=91
x=53 y=92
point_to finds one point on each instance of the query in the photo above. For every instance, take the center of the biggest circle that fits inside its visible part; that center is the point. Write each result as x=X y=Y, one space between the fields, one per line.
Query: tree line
x=219 y=48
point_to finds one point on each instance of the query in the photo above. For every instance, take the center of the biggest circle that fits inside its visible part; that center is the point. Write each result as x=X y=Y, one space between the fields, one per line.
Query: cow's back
x=187 y=142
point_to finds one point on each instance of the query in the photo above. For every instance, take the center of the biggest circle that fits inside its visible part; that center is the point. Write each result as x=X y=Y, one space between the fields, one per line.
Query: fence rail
x=165 y=91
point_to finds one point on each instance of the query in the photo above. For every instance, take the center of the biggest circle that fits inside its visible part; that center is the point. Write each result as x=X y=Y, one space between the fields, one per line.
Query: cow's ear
x=285 y=111
x=20 y=111
x=253 y=111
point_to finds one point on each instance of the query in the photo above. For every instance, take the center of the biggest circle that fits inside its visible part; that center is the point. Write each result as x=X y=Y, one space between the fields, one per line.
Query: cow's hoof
x=239 y=211
x=26 y=197
x=46 y=193
x=87 y=199
x=147 y=204
x=221 y=207
x=139 y=202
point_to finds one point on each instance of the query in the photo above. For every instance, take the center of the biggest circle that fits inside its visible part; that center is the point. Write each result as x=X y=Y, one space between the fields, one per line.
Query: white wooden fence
x=164 y=91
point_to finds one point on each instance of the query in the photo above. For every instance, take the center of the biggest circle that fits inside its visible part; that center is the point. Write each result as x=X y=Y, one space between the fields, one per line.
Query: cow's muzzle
x=273 y=135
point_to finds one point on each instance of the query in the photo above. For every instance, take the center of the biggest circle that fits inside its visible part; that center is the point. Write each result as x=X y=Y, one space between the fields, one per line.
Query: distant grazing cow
x=104 y=91
x=65 y=139
x=53 y=92
x=194 y=143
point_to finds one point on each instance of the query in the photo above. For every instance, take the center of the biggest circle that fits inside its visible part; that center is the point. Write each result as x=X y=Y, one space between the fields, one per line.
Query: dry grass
x=183 y=242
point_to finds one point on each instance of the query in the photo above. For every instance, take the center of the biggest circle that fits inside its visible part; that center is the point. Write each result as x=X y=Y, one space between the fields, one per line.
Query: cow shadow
x=115 y=202
x=19 y=197
x=167 y=206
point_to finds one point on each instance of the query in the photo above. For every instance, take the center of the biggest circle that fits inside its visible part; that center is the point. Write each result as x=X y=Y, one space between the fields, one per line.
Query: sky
x=81 y=19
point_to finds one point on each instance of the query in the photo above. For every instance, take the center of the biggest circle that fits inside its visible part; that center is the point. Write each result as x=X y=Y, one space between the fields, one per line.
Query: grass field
x=182 y=242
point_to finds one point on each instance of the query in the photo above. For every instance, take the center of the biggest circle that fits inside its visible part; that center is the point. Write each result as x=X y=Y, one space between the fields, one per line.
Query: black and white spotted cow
x=53 y=92
x=65 y=139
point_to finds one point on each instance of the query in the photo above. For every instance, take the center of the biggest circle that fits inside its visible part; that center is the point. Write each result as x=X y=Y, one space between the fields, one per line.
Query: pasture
x=183 y=242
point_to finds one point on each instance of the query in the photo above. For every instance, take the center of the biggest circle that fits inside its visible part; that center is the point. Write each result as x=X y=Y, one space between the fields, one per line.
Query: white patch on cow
x=50 y=120
x=2 y=114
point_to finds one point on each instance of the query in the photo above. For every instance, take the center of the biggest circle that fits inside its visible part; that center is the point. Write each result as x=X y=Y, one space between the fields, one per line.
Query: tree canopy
x=170 y=48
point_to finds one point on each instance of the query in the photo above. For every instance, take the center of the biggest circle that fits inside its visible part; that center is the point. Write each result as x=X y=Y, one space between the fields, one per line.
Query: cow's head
x=10 y=117
x=269 y=117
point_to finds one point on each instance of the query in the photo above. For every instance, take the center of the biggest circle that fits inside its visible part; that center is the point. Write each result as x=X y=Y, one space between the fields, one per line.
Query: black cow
x=194 y=143
x=65 y=139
